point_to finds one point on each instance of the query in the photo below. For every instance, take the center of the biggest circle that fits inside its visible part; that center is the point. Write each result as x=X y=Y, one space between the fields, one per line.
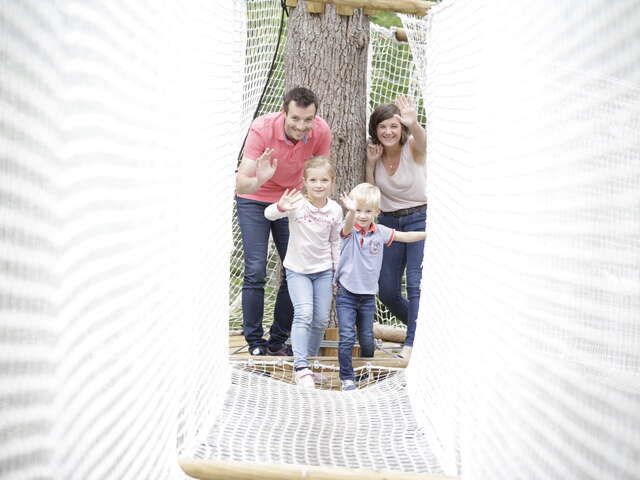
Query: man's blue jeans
x=355 y=313
x=396 y=258
x=311 y=295
x=255 y=229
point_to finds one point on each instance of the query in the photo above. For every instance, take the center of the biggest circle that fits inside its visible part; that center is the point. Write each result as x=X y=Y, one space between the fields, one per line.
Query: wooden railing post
x=345 y=7
x=315 y=7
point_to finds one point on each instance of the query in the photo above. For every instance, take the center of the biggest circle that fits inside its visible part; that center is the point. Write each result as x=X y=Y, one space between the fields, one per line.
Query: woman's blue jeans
x=255 y=229
x=355 y=314
x=398 y=257
x=311 y=295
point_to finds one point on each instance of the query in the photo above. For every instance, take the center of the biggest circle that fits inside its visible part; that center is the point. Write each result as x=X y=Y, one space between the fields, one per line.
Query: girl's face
x=317 y=182
x=389 y=132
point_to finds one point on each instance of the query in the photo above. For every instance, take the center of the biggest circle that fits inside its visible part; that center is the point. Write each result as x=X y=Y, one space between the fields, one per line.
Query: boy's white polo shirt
x=361 y=258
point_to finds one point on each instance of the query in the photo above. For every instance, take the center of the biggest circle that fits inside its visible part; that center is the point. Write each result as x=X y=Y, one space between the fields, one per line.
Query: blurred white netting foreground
x=120 y=125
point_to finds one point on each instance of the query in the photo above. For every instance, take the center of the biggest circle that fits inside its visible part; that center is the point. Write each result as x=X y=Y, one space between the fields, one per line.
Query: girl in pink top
x=312 y=256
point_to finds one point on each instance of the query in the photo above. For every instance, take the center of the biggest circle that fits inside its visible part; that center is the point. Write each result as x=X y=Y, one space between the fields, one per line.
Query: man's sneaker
x=258 y=351
x=285 y=351
x=304 y=378
x=348 y=385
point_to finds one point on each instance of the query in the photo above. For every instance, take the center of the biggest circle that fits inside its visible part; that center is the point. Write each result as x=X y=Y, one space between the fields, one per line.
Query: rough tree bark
x=327 y=53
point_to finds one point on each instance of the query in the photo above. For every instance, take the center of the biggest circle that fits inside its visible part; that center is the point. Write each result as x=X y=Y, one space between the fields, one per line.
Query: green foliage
x=386 y=19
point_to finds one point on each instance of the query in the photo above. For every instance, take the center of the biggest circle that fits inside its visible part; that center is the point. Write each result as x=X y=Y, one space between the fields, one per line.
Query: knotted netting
x=120 y=128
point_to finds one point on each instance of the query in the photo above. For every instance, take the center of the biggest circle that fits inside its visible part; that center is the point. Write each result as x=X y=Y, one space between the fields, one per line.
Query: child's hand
x=408 y=115
x=348 y=203
x=289 y=200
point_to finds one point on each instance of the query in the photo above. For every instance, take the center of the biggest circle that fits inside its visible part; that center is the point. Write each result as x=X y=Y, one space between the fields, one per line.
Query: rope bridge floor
x=297 y=433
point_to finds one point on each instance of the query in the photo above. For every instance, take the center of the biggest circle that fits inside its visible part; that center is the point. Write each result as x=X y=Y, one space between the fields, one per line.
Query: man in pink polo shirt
x=277 y=146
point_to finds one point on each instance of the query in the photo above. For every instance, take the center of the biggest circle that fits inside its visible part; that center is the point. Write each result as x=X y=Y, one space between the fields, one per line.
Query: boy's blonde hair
x=320 y=162
x=366 y=194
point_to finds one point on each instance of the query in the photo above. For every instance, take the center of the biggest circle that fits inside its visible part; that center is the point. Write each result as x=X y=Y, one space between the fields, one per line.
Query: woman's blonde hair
x=366 y=194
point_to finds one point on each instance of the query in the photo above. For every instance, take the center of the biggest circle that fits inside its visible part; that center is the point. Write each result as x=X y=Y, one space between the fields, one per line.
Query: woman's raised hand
x=374 y=153
x=289 y=200
x=348 y=202
x=408 y=115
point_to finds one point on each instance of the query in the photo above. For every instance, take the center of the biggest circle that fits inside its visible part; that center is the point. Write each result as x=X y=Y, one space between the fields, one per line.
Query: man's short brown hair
x=302 y=96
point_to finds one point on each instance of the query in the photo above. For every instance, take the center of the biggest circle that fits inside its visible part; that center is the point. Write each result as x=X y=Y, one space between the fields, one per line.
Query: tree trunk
x=328 y=54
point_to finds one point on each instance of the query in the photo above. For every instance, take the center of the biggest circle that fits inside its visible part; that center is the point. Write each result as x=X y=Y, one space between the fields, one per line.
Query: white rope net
x=528 y=351
x=363 y=429
x=120 y=127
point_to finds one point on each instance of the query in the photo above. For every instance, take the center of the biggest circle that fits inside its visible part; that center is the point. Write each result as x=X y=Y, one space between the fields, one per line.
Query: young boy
x=358 y=271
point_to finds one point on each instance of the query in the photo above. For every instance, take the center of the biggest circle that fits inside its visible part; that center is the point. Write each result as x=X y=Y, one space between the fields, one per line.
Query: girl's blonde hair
x=320 y=162
x=366 y=194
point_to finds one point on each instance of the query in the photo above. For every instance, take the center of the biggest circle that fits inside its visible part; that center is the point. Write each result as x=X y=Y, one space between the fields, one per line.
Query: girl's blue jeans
x=398 y=257
x=311 y=295
x=355 y=315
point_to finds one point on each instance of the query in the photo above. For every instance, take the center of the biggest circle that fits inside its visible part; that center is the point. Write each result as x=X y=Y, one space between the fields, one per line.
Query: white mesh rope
x=120 y=125
x=370 y=428
x=527 y=353
x=111 y=316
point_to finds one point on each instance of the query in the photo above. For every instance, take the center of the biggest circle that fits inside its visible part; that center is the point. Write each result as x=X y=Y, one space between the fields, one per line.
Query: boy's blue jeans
x=255 y=229
x=355 y=313
x=396 y=258
x=311 y=295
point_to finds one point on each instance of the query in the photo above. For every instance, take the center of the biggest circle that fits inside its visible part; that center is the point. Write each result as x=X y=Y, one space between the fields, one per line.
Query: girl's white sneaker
x=304 y=378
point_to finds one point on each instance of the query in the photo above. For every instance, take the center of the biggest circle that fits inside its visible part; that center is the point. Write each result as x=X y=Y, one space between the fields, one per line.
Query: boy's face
x=365 y=215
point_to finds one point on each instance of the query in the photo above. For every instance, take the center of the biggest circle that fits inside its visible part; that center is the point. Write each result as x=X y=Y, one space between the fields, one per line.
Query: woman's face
x=389 y=132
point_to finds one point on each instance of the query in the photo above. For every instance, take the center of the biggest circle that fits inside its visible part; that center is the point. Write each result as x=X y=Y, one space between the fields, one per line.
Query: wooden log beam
x=344 y=10
x=401 y=35
x=233 y=470
x=315 y=7
x=389 y=333
x=413 y=7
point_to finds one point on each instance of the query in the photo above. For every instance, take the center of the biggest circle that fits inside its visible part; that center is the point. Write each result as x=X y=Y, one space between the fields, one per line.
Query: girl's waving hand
x=289 y=200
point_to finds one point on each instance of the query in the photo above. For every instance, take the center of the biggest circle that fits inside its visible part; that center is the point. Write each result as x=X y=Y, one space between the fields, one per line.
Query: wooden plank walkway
x=368 y=370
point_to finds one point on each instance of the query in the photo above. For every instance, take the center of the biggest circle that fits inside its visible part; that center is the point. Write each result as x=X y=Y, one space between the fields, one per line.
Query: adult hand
x=408 y=115
x=348 y=202
x=265 y=166
x=374 y=153
x=289 y=200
